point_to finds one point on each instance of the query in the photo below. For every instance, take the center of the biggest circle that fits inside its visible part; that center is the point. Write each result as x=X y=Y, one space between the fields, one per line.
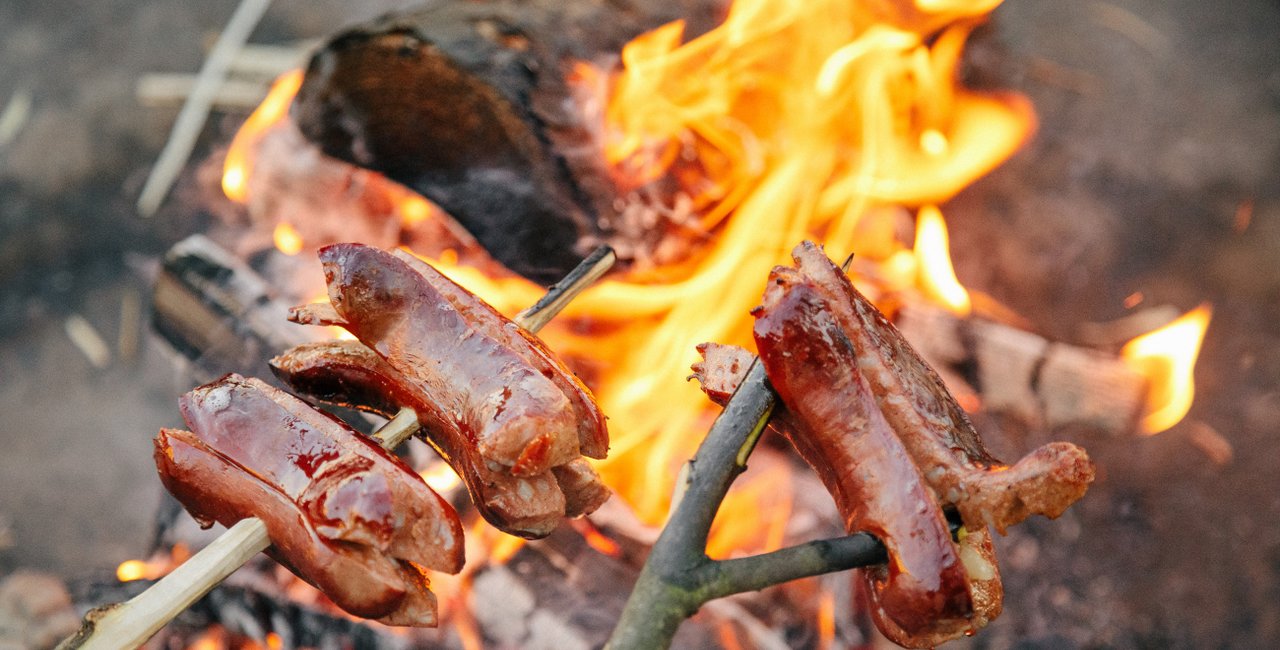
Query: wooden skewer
x=131 y=623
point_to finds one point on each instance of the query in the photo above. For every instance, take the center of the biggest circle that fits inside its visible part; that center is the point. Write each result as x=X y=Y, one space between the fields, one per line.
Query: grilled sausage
x=513 y=413
x=922 y=591
x=341 y=512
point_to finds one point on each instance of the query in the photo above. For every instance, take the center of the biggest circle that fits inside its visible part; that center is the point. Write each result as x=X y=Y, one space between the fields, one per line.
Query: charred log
x=215 y=310
x=468 y=104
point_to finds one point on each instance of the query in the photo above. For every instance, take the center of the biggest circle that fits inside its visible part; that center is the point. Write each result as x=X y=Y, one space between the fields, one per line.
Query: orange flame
x=215 y=638
x=1167 y=358
x=933 y=258
x=804 y=120
x=727 y=636
x=238 y=163
x=757 y=517
x=826 y=619
x=238 y=182
x=157 y=567
x=287 y=239
x=440 y=477
x=468 y=631
x=131 y=570
x=595 y=539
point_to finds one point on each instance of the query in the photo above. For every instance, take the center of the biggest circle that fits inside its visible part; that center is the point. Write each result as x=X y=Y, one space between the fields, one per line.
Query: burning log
x=468 y=104
x=131 y=623
x=210 y=306
x=1039 y=381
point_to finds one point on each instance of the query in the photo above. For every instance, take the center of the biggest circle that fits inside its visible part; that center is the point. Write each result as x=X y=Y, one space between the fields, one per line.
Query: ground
x=1155 y=169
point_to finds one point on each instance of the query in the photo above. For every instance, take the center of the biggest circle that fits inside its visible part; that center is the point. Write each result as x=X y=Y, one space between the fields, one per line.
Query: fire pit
x=1079 y=229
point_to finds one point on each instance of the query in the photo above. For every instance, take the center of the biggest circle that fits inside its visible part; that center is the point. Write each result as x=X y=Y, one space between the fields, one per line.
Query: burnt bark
x=219 y=313
x=468 y=104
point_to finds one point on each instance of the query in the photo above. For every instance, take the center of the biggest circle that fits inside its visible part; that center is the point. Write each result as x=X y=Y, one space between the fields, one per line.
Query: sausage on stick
x=129 y=624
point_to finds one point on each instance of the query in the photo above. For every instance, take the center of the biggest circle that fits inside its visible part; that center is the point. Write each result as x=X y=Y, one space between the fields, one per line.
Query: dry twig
x=182 y=139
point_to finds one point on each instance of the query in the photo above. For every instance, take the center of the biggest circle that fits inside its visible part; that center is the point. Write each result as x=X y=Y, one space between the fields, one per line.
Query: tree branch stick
x=398 y=429
x=728 y=577
x=130 y=624
x=672 y=586
x=563 y=292
x=678 y=577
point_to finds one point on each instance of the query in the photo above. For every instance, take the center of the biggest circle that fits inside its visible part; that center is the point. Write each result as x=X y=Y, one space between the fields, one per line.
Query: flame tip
x=1166 y=357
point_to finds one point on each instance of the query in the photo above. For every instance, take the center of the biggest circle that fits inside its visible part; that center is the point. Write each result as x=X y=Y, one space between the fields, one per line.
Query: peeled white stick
x=131 y=623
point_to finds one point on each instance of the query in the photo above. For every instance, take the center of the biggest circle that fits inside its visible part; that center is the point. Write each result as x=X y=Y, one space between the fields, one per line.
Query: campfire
x=702 y=156
x=879 y=132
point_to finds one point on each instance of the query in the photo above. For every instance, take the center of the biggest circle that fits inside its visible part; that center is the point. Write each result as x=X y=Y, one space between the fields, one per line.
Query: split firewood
x=1037 y=380
x=890 y=443
x=469 y=105
x=129 y=624
x=217 y=311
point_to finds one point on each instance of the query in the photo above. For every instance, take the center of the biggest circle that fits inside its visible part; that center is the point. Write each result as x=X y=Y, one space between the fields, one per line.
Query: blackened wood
x=467 y=103
x=218 y=312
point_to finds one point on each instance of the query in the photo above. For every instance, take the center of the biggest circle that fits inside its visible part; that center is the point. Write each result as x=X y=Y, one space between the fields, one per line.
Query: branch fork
x=679 y=577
